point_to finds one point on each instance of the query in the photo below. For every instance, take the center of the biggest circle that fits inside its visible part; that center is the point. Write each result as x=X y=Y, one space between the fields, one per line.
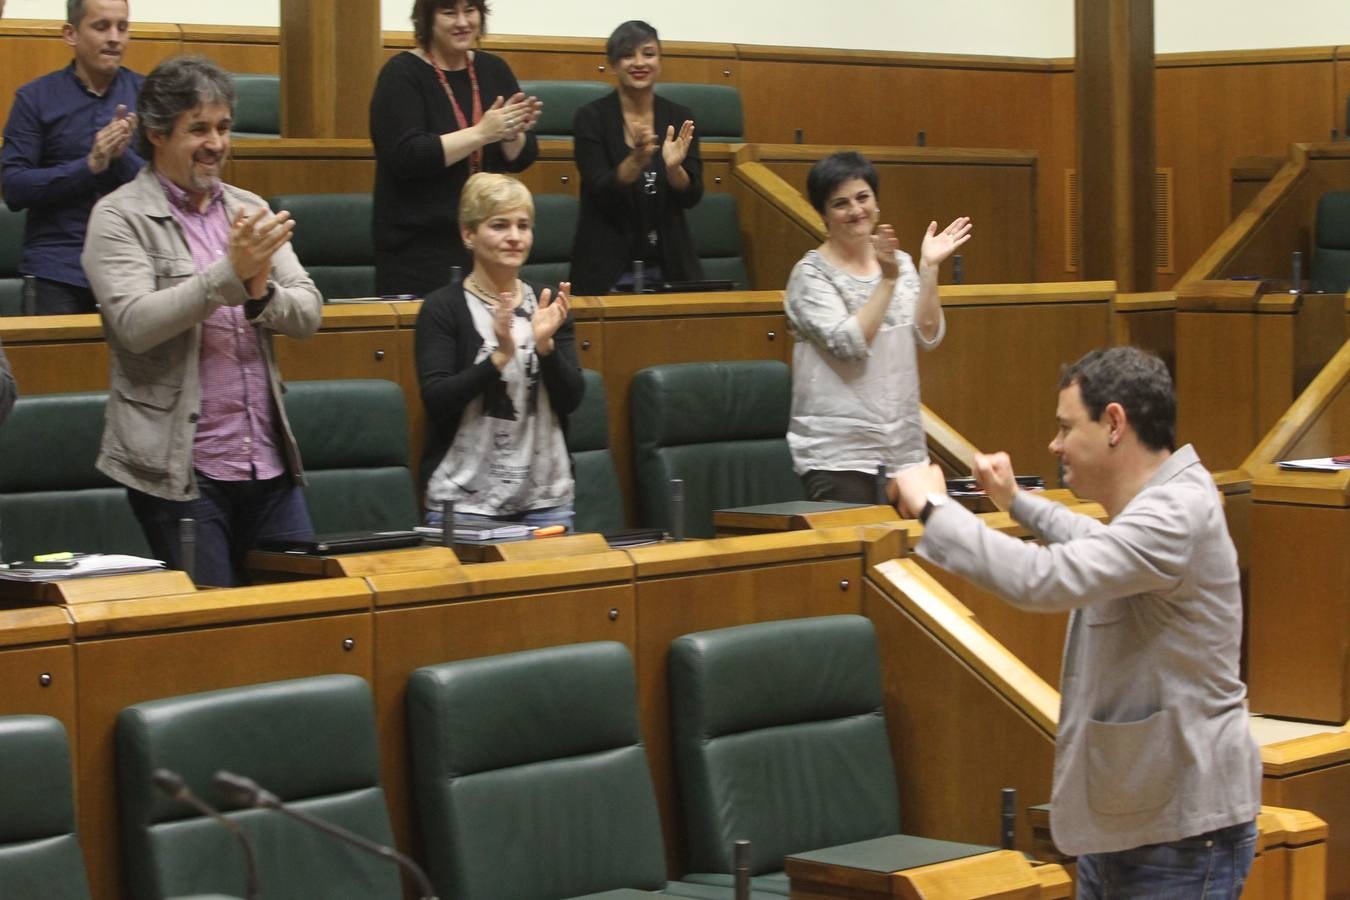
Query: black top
x=416 y=200
x=610 y=213
x=446 y=343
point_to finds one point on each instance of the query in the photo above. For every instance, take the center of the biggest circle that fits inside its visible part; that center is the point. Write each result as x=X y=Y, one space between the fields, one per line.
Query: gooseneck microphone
x=248 y=792
x=172 y=783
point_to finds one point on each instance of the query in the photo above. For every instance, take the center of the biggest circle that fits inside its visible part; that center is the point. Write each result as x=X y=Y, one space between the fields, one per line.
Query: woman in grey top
x=858 y=308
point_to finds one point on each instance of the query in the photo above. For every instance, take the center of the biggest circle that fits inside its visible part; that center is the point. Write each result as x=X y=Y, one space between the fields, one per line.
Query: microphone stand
x=246 y=790
x=172 y=783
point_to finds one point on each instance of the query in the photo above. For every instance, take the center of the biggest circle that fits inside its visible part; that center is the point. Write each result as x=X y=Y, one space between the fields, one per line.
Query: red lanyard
x=476 y=157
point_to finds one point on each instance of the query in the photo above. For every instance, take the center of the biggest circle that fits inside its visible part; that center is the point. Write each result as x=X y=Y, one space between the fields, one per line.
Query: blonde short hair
x=487 y=194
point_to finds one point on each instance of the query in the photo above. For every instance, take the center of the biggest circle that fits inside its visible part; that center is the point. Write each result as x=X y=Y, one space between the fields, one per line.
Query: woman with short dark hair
x=439 y=113
x=859 y=308
x=640 y=170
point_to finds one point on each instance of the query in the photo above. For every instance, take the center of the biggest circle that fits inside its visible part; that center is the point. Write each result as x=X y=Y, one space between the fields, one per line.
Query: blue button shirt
x=43 y=169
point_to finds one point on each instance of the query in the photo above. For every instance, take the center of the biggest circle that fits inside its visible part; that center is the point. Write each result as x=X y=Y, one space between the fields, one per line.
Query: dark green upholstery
x=555 y=224
x=599 y=502
x=779 y=738
x=1331 y=255
x=332 y=239
x=257 y=106
x=720 y=426
x=530 y=777
x=716 y=228
x=51 y=496
x=310 y=741
x=716 y=109
x=353 y=437
x=11 y=246
x=39 y=851
x=561 y=101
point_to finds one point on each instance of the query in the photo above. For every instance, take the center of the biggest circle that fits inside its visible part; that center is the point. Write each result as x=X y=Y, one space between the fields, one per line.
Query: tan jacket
x=153 y=301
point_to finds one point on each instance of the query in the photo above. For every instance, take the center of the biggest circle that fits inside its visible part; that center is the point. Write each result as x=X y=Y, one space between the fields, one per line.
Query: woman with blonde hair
x=498 y=371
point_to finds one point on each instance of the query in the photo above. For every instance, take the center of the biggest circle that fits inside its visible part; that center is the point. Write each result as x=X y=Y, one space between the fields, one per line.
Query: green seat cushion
x=1331 y=255
x=561 y=100
x=257 y=106
x=555 y=224
x=716 y=109
x=599 y=502
x=332 y=240
x=11 y=246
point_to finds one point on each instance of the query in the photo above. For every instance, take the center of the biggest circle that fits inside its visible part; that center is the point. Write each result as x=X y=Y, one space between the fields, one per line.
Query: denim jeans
x=231 y=517
x=538 y=518
x=1210 y=866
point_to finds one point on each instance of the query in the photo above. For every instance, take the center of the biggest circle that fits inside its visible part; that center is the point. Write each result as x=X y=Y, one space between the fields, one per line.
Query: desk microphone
x=881 y=485
x=246 y=791
x=187 y=547
x=1297 y=285
x=171 y=783
x=677 y=509
x=958 y=269
x=740 y=862
x=639 y=277
x=1008 y=818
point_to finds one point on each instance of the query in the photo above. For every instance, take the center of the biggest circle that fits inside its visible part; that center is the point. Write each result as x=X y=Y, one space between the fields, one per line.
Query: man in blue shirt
x=68 y=142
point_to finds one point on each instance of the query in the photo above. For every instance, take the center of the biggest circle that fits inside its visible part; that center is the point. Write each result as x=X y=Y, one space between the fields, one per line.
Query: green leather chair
x=310 y=741
x=530 y=777
x=599 y=502
x=555 y=225
x=11 y=245
x=51 y=496
x=719 y=426
x=779 y=738
x=39 y=850
x=716 y=229
x=332 y=239
x=1331 y=236
x=561 y=101
x=716 y=108
x=353 y=437
x=257 y=106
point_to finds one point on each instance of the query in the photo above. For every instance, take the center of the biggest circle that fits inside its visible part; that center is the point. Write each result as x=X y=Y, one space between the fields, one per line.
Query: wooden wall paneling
x=268 y=177
x=1149 y=321
x=1216 y=380
x=1299 y=655
x=412 y=637
x=671 y=606
x=1328 y=430
x=642 y=332
x=778 y=226
x=58 y=368
x=1057 y=154
x=238 y=48
x=995 y=376
x=583 y=59
x=116 y=672
x=330 y=56
x=1249 y=175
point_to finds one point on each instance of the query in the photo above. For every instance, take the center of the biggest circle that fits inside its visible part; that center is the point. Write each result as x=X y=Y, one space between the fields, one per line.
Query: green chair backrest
x=39 y=850
x=51 y=496
x=310 y=741
x=561 y=101
x=11 y=247
x=599 y=501
x=716 y=108
x=530 y=777
x=332 y=239
x=719 y=426
x=257 y=106
x=716 y=228
x=1331 y=237
x=779 y=738
x=555 y=225
x=353 y=437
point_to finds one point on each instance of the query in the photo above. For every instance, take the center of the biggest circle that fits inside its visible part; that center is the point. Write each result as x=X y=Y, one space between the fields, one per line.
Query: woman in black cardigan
x=498 y=371
x=640 y=170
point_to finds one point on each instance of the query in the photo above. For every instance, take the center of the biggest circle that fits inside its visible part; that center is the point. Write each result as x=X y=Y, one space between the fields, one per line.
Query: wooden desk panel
x=116 y=673
x=1320 y=785
x=407 y=639
x=59 y=368
x=40 y=681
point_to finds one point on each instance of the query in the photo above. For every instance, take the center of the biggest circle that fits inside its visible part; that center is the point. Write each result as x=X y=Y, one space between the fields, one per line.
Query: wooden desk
x=798 y=515
x=915 y=867
x=269 y=566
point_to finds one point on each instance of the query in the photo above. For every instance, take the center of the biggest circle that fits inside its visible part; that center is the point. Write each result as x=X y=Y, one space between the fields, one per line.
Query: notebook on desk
x=343 y=542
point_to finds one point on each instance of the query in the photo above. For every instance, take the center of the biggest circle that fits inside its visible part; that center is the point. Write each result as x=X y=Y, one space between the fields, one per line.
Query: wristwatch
x=934 y=500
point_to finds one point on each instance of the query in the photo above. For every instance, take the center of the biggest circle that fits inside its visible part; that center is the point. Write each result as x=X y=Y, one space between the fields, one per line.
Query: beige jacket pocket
x=1131 y=766
x=140 y=417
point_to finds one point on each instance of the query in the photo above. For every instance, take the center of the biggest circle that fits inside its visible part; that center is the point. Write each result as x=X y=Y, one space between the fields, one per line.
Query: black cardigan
x=602 y=248
x=415 y=224
x=446 y=343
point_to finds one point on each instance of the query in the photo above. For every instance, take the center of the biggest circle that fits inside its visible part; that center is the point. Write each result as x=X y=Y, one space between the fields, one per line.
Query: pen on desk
x=550 y=531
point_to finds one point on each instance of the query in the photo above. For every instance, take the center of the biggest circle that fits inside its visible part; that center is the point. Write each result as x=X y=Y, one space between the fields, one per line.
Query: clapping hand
x=643 y=140
x=676 y=147
x=254 y=236
x=550 y=315
x=112 y=140
x=994 y=475
x=505 y=119
x=887 y=250
x=938 y=245
x=502 y=314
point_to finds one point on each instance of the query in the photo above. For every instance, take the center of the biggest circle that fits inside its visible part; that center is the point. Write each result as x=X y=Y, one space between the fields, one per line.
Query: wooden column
x=330 y=55
x=1114 y=73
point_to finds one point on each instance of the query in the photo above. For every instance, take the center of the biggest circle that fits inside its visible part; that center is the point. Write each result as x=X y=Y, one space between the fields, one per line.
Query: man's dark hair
x=75 y=11
x=627 y=38
x=424 y=13
x=834 y=170
x=1138 y=381
x=175 y=86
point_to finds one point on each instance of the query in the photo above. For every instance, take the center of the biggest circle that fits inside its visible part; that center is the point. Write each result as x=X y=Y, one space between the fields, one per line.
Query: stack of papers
x=79 y=566
x=481 y=528
x=1319 y=464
